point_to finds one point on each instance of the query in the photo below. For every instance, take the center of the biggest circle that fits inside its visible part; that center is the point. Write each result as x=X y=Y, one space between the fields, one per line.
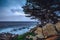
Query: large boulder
x=49 y=30
x=58 y=26
x=39 y=33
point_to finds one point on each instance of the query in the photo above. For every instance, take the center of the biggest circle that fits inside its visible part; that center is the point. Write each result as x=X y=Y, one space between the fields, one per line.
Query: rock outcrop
x=58 y=26
x=49 y=30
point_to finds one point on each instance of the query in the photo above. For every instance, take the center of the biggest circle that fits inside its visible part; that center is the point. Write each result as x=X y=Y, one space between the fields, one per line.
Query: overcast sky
x=11 y=10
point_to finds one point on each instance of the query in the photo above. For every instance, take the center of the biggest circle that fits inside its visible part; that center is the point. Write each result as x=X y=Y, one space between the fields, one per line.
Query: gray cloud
x=15 y=18
x=11 y=10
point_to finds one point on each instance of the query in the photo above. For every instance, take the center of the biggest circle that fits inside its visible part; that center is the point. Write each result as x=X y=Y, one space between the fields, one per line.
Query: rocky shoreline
x=7 y=36
x=48 y=32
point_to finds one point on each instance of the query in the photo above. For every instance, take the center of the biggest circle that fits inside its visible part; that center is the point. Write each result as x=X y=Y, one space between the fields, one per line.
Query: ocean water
x=18 y=29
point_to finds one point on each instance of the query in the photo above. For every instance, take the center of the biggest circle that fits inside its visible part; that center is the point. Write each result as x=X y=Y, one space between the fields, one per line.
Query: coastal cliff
x=47 y=32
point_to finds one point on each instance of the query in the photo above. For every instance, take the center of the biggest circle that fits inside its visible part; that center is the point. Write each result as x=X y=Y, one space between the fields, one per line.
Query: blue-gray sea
x=20 y=29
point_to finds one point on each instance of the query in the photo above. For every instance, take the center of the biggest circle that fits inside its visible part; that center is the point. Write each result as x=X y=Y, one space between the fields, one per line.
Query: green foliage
x=23 y=37
x=31 y=34
x=43 y=10
x=31 y=39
